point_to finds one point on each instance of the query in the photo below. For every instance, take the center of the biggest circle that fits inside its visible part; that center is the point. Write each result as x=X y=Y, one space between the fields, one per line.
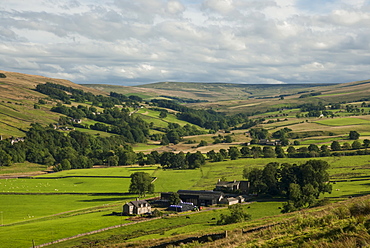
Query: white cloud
x=242 y=41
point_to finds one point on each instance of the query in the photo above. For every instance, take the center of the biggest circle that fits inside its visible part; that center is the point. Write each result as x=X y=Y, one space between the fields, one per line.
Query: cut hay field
x=343 y=121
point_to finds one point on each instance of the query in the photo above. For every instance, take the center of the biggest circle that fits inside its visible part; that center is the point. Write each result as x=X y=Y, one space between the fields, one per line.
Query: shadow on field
x=107 y=199
x=115 y=197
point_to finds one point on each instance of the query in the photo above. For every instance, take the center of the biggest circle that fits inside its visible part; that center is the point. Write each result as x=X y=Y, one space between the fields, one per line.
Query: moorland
x=68 y=150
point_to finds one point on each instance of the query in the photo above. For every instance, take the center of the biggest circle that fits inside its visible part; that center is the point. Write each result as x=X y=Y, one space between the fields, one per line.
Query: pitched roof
x=202 y=193
x=139 y=203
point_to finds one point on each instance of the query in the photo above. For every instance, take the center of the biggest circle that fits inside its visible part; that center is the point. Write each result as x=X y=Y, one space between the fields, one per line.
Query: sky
x=126 y=42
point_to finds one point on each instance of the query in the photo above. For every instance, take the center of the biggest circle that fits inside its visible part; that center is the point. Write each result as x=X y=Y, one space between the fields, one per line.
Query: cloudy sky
x=131 y=42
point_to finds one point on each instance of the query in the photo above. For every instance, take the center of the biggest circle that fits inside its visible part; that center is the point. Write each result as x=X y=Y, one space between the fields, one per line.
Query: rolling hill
x=18 y=98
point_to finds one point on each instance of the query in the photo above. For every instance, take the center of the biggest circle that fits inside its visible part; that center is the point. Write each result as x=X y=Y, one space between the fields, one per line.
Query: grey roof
x=200 y=192
x=138 y=203
x=227 y=184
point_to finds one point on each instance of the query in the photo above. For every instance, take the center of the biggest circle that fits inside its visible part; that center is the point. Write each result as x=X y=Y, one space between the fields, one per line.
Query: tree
x=366 y=143
x=237 y=214
x=313 y=147
x=335 y=146
x=279 y=152
x=268 y=152
x=162 y=114
x=65 y=164
x=5 y=158
x=195 y=160
x=356 y=144
x=245 y=151
x=112 y=160
x=202 y=143
x=354 y=135
x=234 y=153
x=175 y=198
x=256 y=180
x=141 y=183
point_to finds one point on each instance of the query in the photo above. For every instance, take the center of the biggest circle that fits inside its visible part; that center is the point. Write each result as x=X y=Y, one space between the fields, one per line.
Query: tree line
x=208 y=119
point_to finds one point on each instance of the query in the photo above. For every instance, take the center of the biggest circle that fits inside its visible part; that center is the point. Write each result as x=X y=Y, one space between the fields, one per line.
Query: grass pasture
x=343 y=121
x=92 y=203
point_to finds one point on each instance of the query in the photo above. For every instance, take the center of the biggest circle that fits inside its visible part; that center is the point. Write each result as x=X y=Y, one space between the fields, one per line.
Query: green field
x=343 y=122
x=96 y=196
x=57 y=205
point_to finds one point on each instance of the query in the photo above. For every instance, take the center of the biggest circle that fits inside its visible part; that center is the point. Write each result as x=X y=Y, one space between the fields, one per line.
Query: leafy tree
x=346 y=146
x=268 y=152
x=234 y=153
x=256 y=180
x=335 y=146
x=237 y=214
x=270 y=174
x=291 y=150
x=245 y=151
x=224 y=153
x=5 y=158
x=313 y=147
x=113 y=160
x=141 y=183
x=162 y=114
x=256 y=151
x=65 y=164
x=228 y=139
x=366 y=143
x=175 y=198
x=259 y=133
x=324 y=151
x=280 y=152
x=356 y=144
x=195 y=160
x=354 y=135
x=202 y=143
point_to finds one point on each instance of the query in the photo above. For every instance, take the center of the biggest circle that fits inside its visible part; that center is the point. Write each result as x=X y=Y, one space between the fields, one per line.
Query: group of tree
x=58 y=91
x=174 y=133
x=75 y=150
x=112 y=120
x=300 y=184
x=208 y=119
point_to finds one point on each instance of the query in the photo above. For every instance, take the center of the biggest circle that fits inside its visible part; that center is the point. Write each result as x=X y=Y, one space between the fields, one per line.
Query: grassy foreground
x=86 y=199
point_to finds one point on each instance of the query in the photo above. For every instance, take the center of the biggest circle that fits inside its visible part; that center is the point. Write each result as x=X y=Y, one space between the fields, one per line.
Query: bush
x=237 y=214
x=360 y=208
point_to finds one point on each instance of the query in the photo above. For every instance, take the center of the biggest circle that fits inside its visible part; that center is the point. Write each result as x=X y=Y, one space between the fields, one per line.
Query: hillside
x=209 y=91
x=18 y=98
x=250 y=98
x=183 y=144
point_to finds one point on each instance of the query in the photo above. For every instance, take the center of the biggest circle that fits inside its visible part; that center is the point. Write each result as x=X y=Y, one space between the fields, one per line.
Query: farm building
x=201 y=197
x=137 y=207
x=230 y=201
x=233 y=186
x=182 y=207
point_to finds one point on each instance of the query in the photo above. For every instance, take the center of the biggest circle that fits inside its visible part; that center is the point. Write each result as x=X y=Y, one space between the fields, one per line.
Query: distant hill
x=234 y=98
x=209 y=91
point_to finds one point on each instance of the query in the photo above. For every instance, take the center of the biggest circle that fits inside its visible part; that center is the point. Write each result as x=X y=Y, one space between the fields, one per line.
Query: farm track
x=92 y=232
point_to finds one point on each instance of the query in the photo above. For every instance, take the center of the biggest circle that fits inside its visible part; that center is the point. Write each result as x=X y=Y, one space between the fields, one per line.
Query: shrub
x=360 y=208
x=237 y=214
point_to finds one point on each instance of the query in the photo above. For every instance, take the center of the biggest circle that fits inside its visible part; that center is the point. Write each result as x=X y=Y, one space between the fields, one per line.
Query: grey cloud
x=133 y=42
